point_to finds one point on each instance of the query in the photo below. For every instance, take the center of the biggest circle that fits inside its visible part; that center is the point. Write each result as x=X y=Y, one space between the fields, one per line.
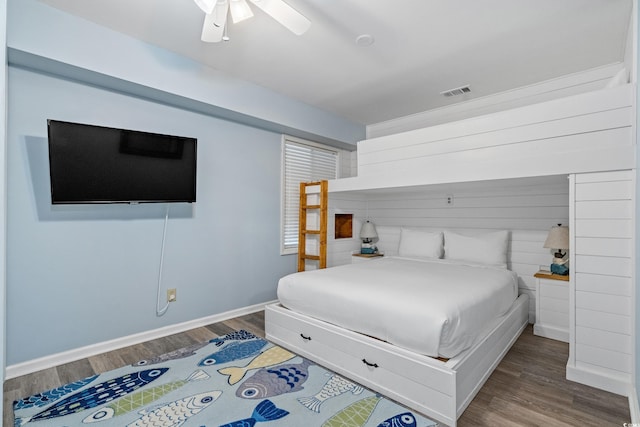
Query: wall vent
x=456 y=91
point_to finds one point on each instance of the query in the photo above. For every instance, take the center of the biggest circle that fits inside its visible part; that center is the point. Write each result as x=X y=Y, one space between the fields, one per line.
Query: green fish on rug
x=141 y=398
x=334 y=387
x=354 y=415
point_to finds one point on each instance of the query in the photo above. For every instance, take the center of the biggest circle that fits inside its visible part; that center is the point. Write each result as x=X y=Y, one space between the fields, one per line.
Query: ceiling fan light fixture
x=206 y=5
x=215 y=21
x=240 y=10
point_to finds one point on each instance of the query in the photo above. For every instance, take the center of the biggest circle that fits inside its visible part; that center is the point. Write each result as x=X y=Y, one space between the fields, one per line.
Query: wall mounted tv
x=95 y=164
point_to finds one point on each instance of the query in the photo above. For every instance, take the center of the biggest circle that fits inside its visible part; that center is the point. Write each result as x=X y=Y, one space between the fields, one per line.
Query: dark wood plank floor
x=527 y=389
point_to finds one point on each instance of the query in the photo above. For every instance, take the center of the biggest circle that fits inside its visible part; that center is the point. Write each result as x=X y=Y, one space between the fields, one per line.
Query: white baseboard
x=634 y=407
x=46 y=362
x=618 y=385
x=551 y=332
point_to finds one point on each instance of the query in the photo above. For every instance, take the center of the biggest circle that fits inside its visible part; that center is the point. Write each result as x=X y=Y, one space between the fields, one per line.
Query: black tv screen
x=96 y=164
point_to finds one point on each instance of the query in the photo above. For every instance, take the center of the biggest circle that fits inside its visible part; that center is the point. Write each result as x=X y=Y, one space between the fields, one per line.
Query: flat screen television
x=96 y=164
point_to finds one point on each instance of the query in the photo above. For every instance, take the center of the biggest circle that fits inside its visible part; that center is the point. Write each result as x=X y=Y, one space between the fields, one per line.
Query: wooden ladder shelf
x=303 y=232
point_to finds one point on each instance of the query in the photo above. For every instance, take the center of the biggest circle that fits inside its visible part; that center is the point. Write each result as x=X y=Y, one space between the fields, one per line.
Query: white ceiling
x=421 y=47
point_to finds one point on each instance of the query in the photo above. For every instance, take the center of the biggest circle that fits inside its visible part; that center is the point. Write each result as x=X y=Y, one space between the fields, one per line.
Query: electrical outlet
x=172 y=295
x=449 y=199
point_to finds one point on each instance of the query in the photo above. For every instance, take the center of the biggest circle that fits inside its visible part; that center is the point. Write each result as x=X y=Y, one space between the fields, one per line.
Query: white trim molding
x=618 y=385
x=46 y=362
x=634 y=408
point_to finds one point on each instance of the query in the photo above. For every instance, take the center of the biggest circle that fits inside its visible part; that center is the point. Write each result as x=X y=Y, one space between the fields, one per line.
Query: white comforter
x=432 y=307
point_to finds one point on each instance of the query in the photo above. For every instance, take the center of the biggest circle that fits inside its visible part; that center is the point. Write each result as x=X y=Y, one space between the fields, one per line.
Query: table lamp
x=558 y=239
x=367 y=234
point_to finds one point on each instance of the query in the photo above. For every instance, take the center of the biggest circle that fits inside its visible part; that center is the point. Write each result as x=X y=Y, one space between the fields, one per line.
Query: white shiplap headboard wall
x=526 y=207
x=590 y=132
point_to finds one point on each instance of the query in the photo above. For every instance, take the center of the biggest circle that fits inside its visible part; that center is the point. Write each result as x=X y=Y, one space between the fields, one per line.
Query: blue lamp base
x=559 y=269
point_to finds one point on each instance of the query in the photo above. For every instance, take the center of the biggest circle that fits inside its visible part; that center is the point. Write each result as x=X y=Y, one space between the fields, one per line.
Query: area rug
x=237 y=380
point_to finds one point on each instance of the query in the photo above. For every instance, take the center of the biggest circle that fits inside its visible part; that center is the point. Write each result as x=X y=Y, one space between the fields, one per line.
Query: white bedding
x=432 y=307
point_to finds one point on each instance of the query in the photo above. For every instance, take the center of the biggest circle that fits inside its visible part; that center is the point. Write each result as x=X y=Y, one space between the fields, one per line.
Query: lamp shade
x=558 y=237
x=368 y=231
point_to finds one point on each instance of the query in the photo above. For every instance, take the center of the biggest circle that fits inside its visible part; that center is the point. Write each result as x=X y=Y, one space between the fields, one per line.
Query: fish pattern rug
x=237 y=380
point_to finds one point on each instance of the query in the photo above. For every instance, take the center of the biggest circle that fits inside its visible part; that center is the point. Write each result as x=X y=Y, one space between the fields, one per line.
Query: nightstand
x=552 y=306
x=355 y=258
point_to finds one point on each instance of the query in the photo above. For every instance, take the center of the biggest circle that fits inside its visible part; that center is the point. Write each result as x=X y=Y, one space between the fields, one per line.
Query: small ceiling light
x=364 y=40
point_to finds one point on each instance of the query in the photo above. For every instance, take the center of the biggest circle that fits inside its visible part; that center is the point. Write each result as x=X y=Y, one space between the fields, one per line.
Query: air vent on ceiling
x=456 y=91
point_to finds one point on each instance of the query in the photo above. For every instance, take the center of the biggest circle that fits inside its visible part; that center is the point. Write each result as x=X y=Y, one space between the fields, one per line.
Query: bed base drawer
x=369 y=362
x=434 y=388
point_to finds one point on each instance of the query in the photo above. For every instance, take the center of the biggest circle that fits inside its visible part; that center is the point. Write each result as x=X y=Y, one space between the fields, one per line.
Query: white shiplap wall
x=339 y=250
x=526 y=207
x=601 y=288
x=589 y=132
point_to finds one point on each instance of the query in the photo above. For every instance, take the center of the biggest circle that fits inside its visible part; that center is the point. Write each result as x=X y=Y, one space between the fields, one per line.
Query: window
x=301 y=161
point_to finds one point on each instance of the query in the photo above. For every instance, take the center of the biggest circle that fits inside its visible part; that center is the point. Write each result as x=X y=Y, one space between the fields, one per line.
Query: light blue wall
x=79 y=275
x=3 y=79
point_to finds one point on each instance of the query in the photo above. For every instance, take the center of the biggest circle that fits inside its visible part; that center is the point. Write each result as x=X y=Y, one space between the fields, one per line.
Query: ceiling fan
x=215 y=21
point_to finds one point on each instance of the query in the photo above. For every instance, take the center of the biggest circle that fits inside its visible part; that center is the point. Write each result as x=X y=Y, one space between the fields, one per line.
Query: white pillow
x=488 y=248
x=420 y=244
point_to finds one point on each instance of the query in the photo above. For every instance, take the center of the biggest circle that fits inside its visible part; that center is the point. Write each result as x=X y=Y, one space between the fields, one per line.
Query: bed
x=419 y=329
x=586 y=133
x=428 y=306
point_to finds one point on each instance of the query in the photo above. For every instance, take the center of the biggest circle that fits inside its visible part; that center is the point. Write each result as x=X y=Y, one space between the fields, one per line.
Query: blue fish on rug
x=334 y=387
x=142 y=397
x=240 y=335
x=174 y=355
x=191 y=350
x=234 y=351
x=96 y=395
x=265 y=411
x=274 y=381
x=47 y=397
x=175 y=414
x=401 y=420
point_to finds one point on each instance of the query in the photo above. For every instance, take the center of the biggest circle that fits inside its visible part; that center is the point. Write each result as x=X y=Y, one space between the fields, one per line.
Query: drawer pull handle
x=305 y=338
x=373 y=365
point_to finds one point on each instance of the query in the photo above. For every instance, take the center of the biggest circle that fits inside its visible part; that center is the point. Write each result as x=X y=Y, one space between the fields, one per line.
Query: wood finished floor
x=527 y=389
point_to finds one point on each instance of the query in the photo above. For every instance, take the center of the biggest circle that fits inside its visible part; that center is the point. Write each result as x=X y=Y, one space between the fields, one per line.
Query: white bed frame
x=590 y=132
x=438 y=389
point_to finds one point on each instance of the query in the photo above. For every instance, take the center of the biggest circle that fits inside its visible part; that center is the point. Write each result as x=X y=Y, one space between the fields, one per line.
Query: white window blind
x=301 y=161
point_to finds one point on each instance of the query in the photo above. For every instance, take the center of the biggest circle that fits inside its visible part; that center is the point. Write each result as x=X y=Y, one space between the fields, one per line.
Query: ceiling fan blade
x=284 y=14
x=214 y=23
x=206 y=5
x=240 y=10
